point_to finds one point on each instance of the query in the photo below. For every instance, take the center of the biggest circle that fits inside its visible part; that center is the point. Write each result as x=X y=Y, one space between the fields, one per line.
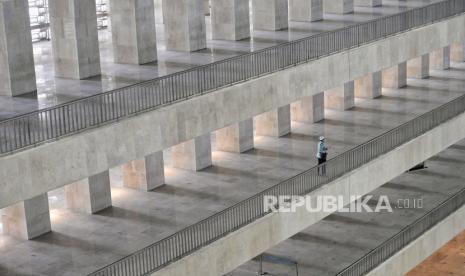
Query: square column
x=73 y=26
x=17 y=73
x=28 y=219
x=396 y=76
x=145 y=174
x=133 y=31
x=418 y=67
x=369 y=86
x=368 y=3
x=230 y=19
x=440 y=59
x=159 y=16
x=306 y=10
x=338 y=6
x=206 y=5
x=309 y=109
x=90 y=195
x=194 y=155
x=185 y=25
x=341 y=98
x=270 y=15
x=457 y=52
x=275 y=123
x=236 y=138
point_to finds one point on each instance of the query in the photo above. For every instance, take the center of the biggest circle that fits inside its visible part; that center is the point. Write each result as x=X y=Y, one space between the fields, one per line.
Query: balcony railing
x=393 y=245
x=194 y=237
x=73 y=117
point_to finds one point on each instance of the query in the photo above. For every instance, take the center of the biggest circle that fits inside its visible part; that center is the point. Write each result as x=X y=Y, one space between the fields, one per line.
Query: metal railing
x=194 y=237
x=393 y=245
x=52 y=123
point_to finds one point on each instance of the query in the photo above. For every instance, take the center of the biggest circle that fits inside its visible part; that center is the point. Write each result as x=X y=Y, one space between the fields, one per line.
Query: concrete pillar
x=440 y=59
x=159 y=16
x=185 y=25
x=457 y=52
x=396 y=76
x=145 y=174
x=133 y=31
x=310 y=109
x=369 y=86
x=341 y=98
x=28 y=219
x=338 y=6
x=418 y=67
x=306 y=10
x=73 y=26
x=17 y=74
x=236 y=138
x=195 y=154
x=230 y=19
x=270 y=15
x=90 y=195
x=206 y=6
x=368 y=3
x=275 y=123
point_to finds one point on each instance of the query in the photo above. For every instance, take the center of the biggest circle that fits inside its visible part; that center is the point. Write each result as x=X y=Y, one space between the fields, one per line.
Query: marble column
x=28 y=219
x=396 y=76
x=159 y=16
x=418 y=67
x=369 y=86
x=309 y=109
x=306 y=10
x=73 y=26
x=90 y=195
x=145 y=174
x=270 y=15
x=194 y=155
x=341 y=98
x=236 y=138
x=206 y=6
x=17 y=73
x=275 y=123
x=133 y=31
x=185 y=25
x=457 y=52
x=440 y=59
x=230 y=19
x=338 y=6
x=368 y=3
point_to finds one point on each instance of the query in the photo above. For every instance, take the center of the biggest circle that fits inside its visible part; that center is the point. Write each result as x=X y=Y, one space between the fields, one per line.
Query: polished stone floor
x=82 y=243
x=329 y=246
x=53 y=91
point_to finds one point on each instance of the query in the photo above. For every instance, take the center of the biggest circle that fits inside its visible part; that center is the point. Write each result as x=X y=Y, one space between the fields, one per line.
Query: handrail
x=62 y=120
x=408 y=234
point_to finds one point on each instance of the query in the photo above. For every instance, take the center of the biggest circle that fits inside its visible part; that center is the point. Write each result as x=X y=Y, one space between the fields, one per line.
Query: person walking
x=322 y=153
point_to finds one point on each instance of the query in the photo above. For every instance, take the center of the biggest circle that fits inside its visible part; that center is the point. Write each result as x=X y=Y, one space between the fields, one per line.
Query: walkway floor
x=329 y=246
x=53 y=91
x=82 y=243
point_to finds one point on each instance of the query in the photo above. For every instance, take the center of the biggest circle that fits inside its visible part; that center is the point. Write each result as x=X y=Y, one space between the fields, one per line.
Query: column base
x=28 y=219
x=396 y=76
x=275 y=123
x=90 y=195
x=418 y=67
x=341 y=98
x=145 y=174
x=237 y=138
x=309 y=109
x=193 y=155
x=440 y=59
x=369 y=86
